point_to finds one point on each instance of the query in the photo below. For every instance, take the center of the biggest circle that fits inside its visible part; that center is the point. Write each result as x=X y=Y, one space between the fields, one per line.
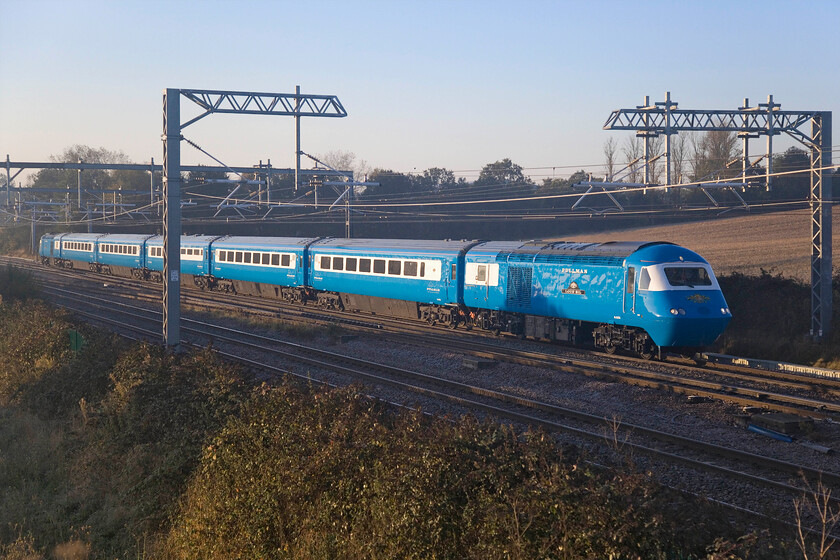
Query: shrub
x=334 y=475
x=17 y=284
x=771 y=319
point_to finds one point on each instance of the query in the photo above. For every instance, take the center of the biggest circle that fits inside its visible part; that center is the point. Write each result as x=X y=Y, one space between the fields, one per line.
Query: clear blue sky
x=426 y=84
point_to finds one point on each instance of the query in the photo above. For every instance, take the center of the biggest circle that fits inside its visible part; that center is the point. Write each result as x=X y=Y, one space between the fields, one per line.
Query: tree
x=346 y=161
x=501 y=173
x=437 y=179
x=679 y=157
x=714 y=153
x=633 y=151
x=797 y=185
x=390 y=183
x=610 y=149
x=655 y=148
x=91 y=179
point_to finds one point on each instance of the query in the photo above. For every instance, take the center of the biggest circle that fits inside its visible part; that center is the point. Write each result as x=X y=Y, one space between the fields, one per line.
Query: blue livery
x=635 y=296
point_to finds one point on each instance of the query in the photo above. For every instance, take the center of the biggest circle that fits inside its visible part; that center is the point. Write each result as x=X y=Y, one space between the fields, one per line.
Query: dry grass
x=778 y=243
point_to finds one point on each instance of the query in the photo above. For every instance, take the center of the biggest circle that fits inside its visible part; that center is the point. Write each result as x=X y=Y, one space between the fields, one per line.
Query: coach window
x=285 y=260
x=379 y=266
x=422 y=270
x=275 y=259
x=325 y=263
x=266 y=258
x=350 y=264
x=481 y=273
x=394 y=268
x=410 y=268
x=364 y=265
x=239 y=256
x=454 y=272
x=338 y=263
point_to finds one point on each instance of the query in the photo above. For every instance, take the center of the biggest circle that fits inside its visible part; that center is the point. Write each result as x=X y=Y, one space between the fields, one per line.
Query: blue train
x=637 y=297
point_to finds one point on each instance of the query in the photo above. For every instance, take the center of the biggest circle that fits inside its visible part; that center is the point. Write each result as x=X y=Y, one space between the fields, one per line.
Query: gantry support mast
x=766 y=119
x=214 y=101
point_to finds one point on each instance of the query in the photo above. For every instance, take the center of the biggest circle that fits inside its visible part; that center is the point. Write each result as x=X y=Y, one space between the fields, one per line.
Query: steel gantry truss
x=215 y=101
x=765 y=119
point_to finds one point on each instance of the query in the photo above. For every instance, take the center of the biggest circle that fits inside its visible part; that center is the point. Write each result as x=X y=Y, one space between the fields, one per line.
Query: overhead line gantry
x=765 y=119
x=215 y=101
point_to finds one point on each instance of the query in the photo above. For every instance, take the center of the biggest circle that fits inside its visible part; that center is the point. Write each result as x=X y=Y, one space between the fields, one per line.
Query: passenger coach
x=390 y=276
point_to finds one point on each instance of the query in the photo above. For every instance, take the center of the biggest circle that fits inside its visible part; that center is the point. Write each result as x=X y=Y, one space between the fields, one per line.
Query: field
x=778 y=243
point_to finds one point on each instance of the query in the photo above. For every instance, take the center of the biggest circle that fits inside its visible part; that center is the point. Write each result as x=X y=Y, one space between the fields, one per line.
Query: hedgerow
x=310 y=474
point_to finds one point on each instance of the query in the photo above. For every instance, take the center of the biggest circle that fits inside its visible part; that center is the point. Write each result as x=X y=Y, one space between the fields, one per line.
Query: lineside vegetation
x=119 y=450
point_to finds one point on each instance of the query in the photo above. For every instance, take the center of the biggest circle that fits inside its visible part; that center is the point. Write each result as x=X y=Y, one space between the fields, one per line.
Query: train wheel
x=648 y=353
x=610 y=348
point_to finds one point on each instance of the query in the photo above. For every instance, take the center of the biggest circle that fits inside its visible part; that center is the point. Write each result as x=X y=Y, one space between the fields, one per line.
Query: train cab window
x=481 y=273
x=266 y=257
x=338 y=263
x=410 y=268
x=364 y=265
x=690 y=277
x=631 y=280
x=644 y=279
x=350 y=264
x=379 y=266
x=239 y=256
x=285 y=260
x=325 y=263
x=394 y=268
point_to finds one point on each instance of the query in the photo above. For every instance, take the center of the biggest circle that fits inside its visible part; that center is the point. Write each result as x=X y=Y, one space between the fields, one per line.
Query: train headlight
x=724 y=311
x=681 y=311
x=674 y=311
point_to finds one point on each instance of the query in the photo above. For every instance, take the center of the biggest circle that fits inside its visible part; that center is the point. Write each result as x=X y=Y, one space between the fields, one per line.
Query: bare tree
x=610 y=149
x=679 y=156
x=713 y=152
x=346 y=161
x=656 y=146
x=632 y=151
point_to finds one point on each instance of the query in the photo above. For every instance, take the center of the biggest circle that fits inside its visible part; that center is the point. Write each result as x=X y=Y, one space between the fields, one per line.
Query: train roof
x=394 y=245
x=620 y=249
x=123 y=237
x=79 y=236
x=252 y=242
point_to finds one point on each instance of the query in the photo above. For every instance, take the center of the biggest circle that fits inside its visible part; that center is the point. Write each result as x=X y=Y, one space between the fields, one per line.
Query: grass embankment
x=120 y=450
x=771 y=316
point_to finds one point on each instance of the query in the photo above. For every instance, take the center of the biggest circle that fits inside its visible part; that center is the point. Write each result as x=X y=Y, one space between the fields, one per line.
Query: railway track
x=790 y=393
x=701 y=456
x=764 y=474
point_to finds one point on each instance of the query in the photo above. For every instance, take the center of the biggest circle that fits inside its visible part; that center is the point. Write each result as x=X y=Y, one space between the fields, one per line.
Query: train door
x=630 y=290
